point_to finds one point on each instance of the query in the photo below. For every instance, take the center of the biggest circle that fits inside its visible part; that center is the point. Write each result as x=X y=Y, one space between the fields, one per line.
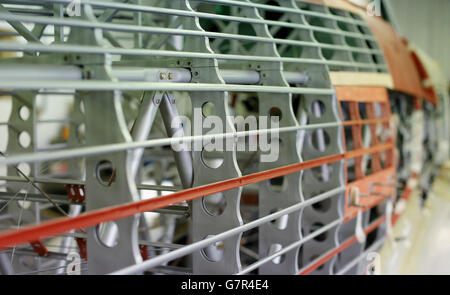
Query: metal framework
x=130 y=68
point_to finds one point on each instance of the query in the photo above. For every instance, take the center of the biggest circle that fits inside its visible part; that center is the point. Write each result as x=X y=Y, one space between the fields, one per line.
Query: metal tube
x=60 y=199
x=83 y=49
x=240 y=77
x=92 y=85
x=151 y=74
x=183 y=158
x=141 y=128
x=224 y=235
x=80 y=182
x=116 y=147
x=27 y=72
x=44 y=72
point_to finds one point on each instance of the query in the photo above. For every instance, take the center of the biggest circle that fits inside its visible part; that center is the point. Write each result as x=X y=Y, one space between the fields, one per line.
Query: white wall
x=426 y=23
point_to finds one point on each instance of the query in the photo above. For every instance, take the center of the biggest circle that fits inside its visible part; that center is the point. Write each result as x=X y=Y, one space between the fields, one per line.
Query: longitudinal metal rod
x=27 y=72
x=141 y=242
x=177 y=32
x=177 y=12
x=155 y=86
x=81 y=182
x=131 y=7
x=83 y=49
x=111 y=148
x=138 y=268
x=60 y=199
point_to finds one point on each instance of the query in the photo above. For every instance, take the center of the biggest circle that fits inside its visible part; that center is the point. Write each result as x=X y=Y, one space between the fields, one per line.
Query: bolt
x=170 y=76
x=162 y=76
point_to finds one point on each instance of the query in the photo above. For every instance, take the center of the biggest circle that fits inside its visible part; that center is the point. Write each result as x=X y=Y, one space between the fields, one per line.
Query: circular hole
x=24 y=139
x=273 y=249
x=318 y=108
x=212 y=159
x=275 y=112
x=105 y=172
x=214 y=252
x=280 y=223
x=323 y=236
x=320 y=139
x=25 y=168
x=214 y=204
x=208 y=109
x=24 y=113
x=108 y=234
x=278 y=184
x=322 y=206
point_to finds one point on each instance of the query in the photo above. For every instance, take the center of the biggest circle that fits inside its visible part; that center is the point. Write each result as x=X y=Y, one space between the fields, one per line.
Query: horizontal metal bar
x=83 y=49
x=177 y=12
x=5 y=216
x=174 y=210
x=27 y=72
x=51 y=121
x=30 y=252
x=97 y=85
x=116 y=147
x=42 y=180
x=172 y=270
x=141 y=242
x=63 y=199
x=19 y=71
x=53 y=147
x=178 y=32
x=32 y=197
x=161 y=245
x=81 y=182
x=226 y=234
